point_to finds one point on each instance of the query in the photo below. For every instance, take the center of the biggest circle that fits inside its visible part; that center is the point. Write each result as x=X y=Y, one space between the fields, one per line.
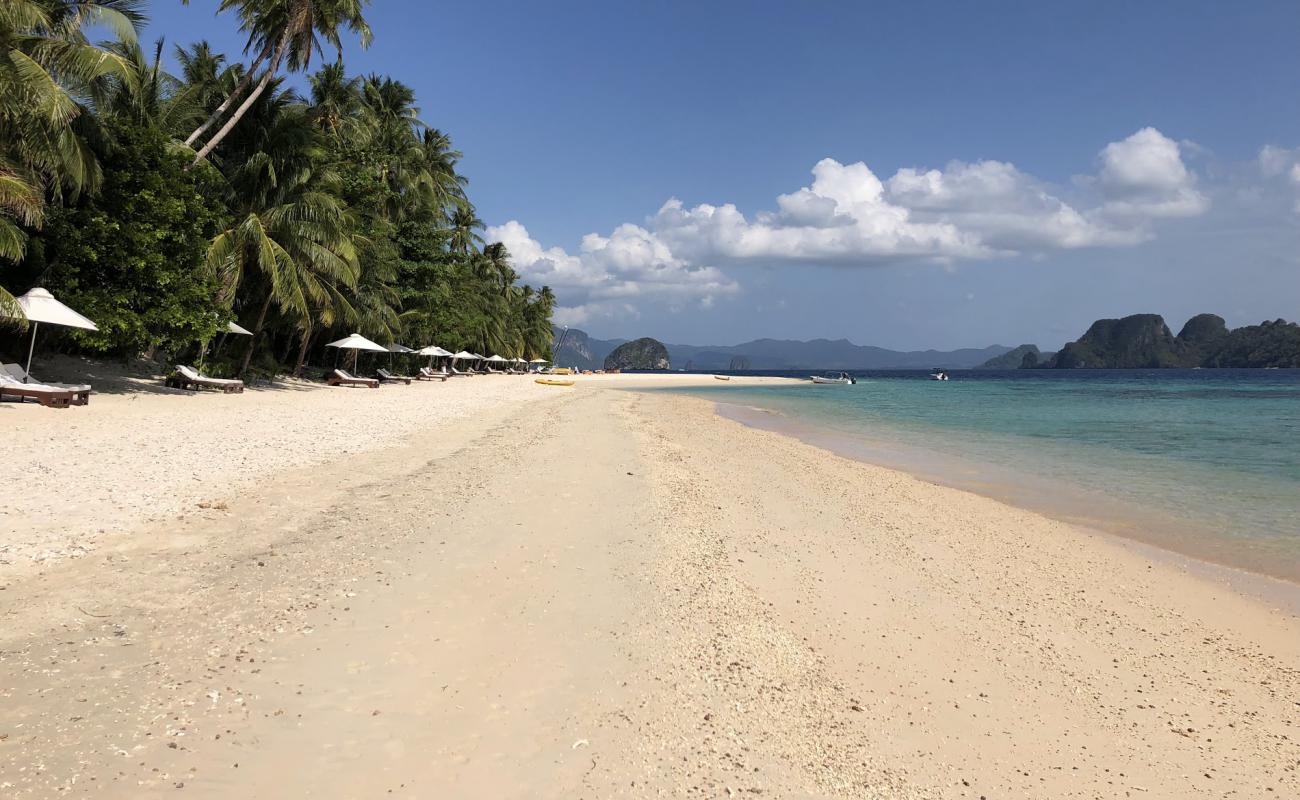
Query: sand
x=497 y=589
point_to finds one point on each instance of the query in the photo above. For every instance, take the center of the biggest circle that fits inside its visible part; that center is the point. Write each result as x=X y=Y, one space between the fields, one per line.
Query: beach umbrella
x=494 y=357
x=356 y=343
x=231 y=327
x=433 y=351
x=397 y=348
x=39 y=306
x=463 y=355
x=539 y=361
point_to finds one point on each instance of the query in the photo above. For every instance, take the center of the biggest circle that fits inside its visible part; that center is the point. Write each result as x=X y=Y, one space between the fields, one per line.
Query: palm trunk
x=307 y=334
x=225 y=104
x=257 y=331
x=288 y=349
x=248 y=101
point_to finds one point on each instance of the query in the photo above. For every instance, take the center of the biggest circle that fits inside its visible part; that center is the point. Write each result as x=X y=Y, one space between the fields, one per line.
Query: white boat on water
x=938 y=375
x=841 y=378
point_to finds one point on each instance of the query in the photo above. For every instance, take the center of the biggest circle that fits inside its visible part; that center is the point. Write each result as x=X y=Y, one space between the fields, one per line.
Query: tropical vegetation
x=166 y=205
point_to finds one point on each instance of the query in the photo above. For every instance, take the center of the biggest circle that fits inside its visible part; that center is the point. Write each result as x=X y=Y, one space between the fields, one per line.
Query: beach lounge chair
x=342 y=378
x=80 y=390
x=430 y=374
x=387 y=377
x=49 y=396
x=186 y=377
x=455 y=371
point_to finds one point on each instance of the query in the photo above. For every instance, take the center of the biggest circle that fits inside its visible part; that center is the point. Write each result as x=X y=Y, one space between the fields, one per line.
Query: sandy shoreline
x=501 y=589
x=1156 y=536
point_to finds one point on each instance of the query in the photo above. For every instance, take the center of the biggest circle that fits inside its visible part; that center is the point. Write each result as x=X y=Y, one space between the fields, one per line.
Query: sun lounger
x=342 y=378
x=387 y=377
x=189 y=378
x=49 y=396
x=429 y=374
x=455 y=371
x=80 y=390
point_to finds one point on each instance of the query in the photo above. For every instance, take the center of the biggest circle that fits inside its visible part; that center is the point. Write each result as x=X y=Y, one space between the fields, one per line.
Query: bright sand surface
x=491 y=588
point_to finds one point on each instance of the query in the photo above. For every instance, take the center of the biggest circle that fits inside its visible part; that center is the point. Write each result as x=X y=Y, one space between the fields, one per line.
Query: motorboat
x=841 y=378
x=938 y=375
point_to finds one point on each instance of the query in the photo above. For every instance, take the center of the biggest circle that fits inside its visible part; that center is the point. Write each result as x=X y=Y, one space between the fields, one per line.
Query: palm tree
x=336 y=101
x=291 y=234
x=440 y=161
x=465 y=226
x=285 y=32
x=46 y=64
x=155 y=98
x=205 y=74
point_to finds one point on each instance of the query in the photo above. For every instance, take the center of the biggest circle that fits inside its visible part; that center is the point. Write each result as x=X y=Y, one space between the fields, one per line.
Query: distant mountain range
x=580 y=350
x=1137 y=341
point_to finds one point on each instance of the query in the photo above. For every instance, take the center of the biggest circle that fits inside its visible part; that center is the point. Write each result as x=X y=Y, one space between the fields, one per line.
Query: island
x=643 y=353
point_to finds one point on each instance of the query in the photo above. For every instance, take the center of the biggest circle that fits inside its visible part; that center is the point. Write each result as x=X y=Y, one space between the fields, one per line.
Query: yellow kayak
x=549 y=382
x=722 y=377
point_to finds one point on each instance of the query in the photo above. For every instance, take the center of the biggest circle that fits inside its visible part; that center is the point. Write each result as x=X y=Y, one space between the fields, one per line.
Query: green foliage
x=46 y=65
x=305 y=219
x=132 y=257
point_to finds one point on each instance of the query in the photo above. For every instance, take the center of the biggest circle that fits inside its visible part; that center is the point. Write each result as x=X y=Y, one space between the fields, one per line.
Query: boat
x=550 y=382
x=938 y=375
x=722 y=377
x=840 y=378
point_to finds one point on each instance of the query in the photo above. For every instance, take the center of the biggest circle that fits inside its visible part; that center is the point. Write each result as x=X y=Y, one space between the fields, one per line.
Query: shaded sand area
x=542 y=592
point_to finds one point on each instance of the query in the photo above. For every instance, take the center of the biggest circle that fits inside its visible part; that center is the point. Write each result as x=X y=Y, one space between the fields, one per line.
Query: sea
x=1205 y=463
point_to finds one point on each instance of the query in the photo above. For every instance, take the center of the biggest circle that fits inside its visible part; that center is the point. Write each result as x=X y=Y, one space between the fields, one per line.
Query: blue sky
x=1025 y=168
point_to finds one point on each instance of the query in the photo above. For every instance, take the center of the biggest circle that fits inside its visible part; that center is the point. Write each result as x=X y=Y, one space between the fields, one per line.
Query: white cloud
x=842 y=217
x=1144 y=177
x=610 y=272
x=849 y=216
x=1010 y=212
x=1279 y=162
x=1273 y=161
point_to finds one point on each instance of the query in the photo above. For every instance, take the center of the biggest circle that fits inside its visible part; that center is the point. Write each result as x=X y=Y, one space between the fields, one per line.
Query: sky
x=902 y=174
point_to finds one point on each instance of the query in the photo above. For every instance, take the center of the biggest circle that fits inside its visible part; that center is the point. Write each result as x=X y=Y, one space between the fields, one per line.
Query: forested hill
x=1145 y=341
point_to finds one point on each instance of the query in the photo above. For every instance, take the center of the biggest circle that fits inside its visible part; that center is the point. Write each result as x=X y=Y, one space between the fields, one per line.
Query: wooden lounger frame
x=335 y=379
x=178 y=380
x=56 y=398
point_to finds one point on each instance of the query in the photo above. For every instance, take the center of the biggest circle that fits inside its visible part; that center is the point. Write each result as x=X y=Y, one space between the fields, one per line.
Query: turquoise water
x=1202 y=461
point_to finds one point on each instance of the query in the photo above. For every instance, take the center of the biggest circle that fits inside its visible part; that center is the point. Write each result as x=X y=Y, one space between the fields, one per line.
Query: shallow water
x=1206 y=462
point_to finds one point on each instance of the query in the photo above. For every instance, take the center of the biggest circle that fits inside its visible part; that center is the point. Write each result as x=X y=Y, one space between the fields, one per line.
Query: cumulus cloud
x=842 y=217
x=1144 y=177
x=609 y=274
x=848 y=216
x=1009 y=211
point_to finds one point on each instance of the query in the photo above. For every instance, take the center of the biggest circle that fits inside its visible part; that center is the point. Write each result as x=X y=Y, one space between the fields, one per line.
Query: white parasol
x=356 y=342
x=39 y=306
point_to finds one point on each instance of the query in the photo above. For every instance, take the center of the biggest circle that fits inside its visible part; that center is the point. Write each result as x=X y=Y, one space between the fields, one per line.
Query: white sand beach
x=491 y=588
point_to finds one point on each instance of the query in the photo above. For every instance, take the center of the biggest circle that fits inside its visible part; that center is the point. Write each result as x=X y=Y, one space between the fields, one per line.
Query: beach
x=492 y=588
